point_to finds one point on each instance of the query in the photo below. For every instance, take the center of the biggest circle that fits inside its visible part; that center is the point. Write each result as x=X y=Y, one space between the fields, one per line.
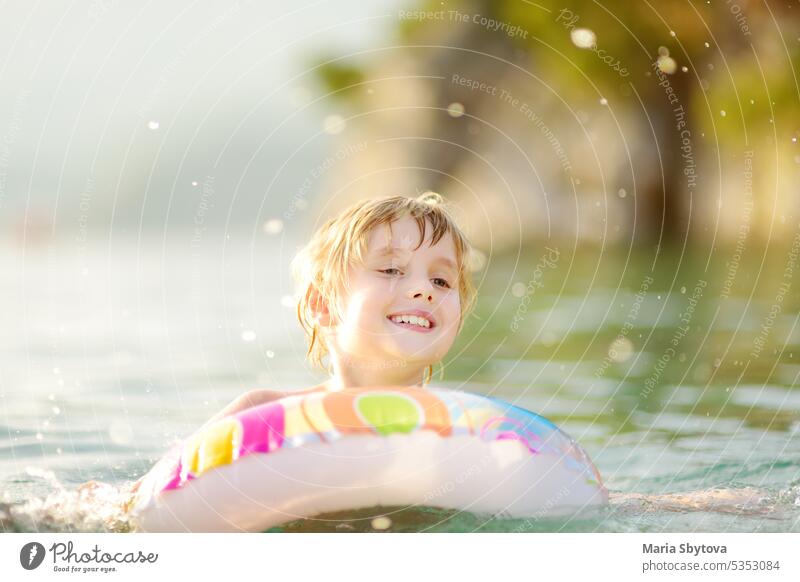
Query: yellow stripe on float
x=478 y=417
x=315 y=413
x=295 y=423
x=215 y=446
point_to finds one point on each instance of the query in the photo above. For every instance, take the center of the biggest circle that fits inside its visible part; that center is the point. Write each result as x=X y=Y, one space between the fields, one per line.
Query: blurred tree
x=651 y=59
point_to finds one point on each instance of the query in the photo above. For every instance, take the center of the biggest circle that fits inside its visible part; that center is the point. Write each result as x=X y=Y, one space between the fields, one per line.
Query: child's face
x=396 y=280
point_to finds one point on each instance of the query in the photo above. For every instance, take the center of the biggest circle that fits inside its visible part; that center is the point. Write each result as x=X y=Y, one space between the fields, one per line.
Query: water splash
x=742 y=501
x=92 y=507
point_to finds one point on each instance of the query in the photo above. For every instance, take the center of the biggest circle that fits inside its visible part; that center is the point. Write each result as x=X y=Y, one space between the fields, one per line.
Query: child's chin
x=407 y=356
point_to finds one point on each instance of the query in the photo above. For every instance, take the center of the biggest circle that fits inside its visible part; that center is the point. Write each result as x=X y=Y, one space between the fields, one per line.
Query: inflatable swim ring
x=306 y=455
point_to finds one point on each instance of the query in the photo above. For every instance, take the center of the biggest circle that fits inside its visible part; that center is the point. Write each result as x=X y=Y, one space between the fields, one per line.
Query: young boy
x=384 y=290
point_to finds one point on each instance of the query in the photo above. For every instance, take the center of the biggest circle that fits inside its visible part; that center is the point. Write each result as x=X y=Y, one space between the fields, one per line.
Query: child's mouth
x=418 y=323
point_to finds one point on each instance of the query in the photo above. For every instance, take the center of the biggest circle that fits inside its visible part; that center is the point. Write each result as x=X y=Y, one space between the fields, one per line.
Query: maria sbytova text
x=683 y=549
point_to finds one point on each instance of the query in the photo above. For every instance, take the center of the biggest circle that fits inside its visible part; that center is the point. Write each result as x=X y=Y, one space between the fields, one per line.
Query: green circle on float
x=389 y=413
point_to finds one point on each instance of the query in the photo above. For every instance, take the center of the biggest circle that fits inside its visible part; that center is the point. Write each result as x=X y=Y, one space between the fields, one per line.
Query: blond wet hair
x=322 y=265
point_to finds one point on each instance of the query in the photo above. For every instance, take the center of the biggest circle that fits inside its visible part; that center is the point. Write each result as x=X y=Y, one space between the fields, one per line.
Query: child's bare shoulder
x=255 y=398
x=262 y=396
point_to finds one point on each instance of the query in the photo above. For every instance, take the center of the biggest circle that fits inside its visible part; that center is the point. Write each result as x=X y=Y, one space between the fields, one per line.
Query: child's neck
x=362 y=374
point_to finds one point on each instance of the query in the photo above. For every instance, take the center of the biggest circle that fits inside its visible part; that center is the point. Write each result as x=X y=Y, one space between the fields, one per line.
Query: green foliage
x=340 y=77
x=767 y=82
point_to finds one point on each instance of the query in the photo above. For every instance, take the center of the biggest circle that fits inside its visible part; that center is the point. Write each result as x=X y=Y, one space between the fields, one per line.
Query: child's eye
x=390 y=271
x=441 y=282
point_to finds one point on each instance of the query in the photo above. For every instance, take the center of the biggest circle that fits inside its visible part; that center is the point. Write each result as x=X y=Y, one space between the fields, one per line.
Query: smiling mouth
x=412 y=322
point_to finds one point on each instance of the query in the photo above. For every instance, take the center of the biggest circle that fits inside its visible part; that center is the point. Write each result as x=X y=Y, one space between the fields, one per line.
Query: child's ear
x=319 y=307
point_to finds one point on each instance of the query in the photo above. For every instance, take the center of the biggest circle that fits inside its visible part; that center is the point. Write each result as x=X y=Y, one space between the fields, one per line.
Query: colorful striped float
x=306 y=455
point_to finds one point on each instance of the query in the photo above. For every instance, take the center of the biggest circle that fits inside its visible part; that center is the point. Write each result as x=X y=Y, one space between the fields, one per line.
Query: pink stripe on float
x=262 y=428
x=175 y=481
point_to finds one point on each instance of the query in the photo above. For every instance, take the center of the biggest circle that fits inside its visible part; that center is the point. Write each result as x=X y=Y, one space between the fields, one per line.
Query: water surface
x=678 y=380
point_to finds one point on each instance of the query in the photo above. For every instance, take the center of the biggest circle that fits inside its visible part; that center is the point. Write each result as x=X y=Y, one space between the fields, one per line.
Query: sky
x=120 y=106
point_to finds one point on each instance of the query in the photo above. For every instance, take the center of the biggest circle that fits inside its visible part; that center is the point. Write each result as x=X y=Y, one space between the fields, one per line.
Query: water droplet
x=620 y=350
x=120 y=432
x=583 y=38
x=663 y=51
x=752 y=101
x=381 y=523
x=477 y=261
x=152 y=125
x=56 y=410
x=548 y=339
x=518 y=289
x=723 y=113
x=794 y=140
x=333 y=124
x=672 y=33
x=683 y=289
x=685 y=69
x=39 y=436
x=194 y=183
x=707 y=45
x=603 y=101
x=455 y=109
x=270 y=354
x=273 y=226
x=622 y=193
x=248 y=335
x=667 y=65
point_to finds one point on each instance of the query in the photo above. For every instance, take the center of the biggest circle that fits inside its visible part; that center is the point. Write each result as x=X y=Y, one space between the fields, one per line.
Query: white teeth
x=412 y=319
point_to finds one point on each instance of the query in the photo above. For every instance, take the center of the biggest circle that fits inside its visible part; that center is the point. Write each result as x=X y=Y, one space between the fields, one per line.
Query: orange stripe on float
x=340 y=408
x=437 y=416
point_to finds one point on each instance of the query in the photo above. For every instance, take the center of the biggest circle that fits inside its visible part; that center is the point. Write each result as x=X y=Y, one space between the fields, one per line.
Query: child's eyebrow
x=395 y=251
x=391 y=251
x=447 y=262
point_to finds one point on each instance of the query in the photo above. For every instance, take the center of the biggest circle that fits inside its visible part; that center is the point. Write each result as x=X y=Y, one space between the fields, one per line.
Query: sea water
x=113 y=350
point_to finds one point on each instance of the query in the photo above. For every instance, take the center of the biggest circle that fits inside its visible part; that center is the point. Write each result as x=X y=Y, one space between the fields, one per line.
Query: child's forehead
x=403 y=236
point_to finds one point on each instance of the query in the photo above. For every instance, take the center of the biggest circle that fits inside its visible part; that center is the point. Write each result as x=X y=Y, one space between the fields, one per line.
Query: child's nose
x=427 y=296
